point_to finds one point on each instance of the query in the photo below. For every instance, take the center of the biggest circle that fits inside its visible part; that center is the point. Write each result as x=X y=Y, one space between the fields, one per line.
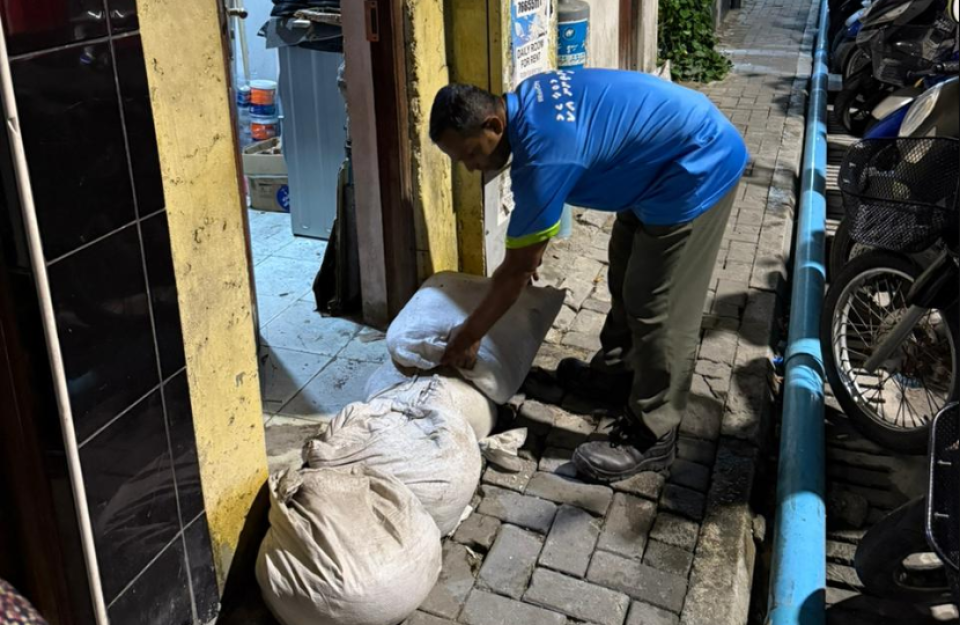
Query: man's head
x=470 y=126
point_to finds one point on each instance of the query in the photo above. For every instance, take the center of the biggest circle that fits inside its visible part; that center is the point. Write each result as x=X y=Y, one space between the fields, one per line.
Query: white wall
x=604 y=44
x=264 y=64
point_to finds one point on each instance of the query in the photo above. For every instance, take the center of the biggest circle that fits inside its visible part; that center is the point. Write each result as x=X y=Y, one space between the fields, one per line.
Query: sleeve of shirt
x=539 y=192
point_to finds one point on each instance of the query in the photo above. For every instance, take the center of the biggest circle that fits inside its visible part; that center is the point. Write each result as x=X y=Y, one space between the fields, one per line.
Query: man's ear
x=494 y=124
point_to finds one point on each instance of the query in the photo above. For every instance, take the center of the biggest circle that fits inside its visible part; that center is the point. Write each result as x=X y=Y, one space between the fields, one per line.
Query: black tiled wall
x=81 y=88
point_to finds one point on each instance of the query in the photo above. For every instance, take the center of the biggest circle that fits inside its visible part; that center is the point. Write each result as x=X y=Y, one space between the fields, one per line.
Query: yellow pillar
x=189 y=87
x=427 y=73
x=480 y=55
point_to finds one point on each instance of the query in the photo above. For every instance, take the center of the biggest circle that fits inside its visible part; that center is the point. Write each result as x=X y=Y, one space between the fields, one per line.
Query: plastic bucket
x=264 y=128
x=263 y=110
x=263 y=92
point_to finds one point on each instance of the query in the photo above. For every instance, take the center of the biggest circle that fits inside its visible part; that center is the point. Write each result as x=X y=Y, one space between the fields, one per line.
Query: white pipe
x=242 y=33
x=50 y=330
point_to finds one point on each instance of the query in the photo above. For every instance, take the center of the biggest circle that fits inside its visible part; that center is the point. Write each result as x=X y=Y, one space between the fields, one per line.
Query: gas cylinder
x=573 y=23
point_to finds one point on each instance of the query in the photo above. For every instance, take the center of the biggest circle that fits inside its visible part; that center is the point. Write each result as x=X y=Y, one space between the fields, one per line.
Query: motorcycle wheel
x=843 y=249
x=894 y=560
x=854 y=62
x=853 y=107
x=894 y=406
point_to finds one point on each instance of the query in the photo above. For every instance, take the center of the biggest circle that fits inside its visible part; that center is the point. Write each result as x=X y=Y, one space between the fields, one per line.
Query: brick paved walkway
x=543 y=548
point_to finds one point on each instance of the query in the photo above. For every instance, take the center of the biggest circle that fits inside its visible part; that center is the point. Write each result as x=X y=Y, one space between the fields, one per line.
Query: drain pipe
x=38 y=265
x=798 y=583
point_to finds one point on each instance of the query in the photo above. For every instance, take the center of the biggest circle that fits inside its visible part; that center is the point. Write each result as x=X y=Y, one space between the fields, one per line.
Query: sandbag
x=346 y=547
x=422 y=441
x=388 y=381
x=418 y=336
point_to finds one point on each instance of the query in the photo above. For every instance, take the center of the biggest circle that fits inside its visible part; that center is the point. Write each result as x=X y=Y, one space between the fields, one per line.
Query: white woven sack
x=422 y=440
x=346 y=547
x=418 y=336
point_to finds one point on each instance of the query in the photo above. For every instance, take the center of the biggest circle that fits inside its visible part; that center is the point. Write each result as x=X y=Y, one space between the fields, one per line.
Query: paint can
x=263 y=92
x=264 y=128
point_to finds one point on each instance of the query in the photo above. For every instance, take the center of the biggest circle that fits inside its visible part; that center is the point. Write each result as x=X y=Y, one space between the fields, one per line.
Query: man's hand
x=518 y=269
x=461 y=351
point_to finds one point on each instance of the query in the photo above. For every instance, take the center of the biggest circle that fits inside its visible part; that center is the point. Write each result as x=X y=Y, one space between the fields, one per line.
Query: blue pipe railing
x=798 y=584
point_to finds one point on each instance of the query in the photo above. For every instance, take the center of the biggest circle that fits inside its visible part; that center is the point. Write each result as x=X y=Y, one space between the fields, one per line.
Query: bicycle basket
x=943 y=500
x=901 y=194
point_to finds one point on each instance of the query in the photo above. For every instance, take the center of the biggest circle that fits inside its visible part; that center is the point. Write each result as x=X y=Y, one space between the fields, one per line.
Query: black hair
x=461 y=108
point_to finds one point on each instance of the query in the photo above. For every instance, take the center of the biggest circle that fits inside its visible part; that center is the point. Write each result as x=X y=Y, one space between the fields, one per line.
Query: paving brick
x=695 y=450
x=510 y=507
x=570 y=430
x=690 y=475
x=588 y=322
x=646 y=614
x=537 y=416
x=719 y=347
x=557 y=488
x=571 y=541
x=478 y=532
x=841 y=553
x=516 y=481
x=668 y=558
x=710 y=369
x=638 y=580
x=597 y=305
x=577 y=598
x=456 y=580
x=675 y=531
x=647 y=485
x=421 y=618
x=703 y=418
x=559 y=461
x=589 y=341
x=565 y=318
x=487 y=609
x=627 y=525
x=507 y=568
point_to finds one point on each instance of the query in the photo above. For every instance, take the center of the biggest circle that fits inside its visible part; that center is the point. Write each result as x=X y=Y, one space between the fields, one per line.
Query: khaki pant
x=659 y=278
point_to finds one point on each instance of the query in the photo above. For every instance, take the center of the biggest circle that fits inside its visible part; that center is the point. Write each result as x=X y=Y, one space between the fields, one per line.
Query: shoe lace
x=621 y=431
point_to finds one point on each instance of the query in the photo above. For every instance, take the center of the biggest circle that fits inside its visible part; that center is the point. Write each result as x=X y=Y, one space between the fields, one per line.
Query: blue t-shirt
x=615 y=141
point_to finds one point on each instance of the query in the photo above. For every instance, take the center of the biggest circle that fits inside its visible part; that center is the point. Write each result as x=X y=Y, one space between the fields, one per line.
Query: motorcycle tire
x=881 y=556
x=853 y=107
x=855 y=60
x=910 y=440
x=843 y=249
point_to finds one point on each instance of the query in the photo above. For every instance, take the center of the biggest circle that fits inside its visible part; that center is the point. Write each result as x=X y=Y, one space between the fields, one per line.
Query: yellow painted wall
x=427 y=73
x=469 y=63
x=196 y=140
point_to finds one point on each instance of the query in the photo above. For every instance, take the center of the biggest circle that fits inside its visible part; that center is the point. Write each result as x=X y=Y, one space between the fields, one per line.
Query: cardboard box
x=264 y=159
x=269 y=193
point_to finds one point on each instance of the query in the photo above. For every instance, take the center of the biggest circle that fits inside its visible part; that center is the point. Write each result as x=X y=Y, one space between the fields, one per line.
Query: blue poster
x=530 y=27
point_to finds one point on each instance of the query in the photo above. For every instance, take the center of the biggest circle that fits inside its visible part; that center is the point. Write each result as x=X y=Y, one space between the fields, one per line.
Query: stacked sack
x=355 y=536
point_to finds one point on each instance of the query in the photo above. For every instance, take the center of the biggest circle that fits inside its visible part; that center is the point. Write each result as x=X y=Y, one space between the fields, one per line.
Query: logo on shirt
x=562 y=94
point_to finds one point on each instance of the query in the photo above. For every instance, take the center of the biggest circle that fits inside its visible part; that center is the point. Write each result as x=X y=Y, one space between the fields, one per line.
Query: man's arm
x=511 y=277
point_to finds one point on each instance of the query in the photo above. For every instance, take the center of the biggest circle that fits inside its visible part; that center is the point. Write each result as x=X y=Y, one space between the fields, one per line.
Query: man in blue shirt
x=668 y=163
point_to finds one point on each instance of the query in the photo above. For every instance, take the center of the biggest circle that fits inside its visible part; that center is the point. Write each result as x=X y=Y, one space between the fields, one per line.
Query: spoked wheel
x=894 y=560
x=895 y=405
x=854 y=105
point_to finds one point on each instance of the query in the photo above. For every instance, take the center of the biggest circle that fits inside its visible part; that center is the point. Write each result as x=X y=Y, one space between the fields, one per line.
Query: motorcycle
x=889 y=329
x=912 y=554
x=898 y=39
x=932 y=114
